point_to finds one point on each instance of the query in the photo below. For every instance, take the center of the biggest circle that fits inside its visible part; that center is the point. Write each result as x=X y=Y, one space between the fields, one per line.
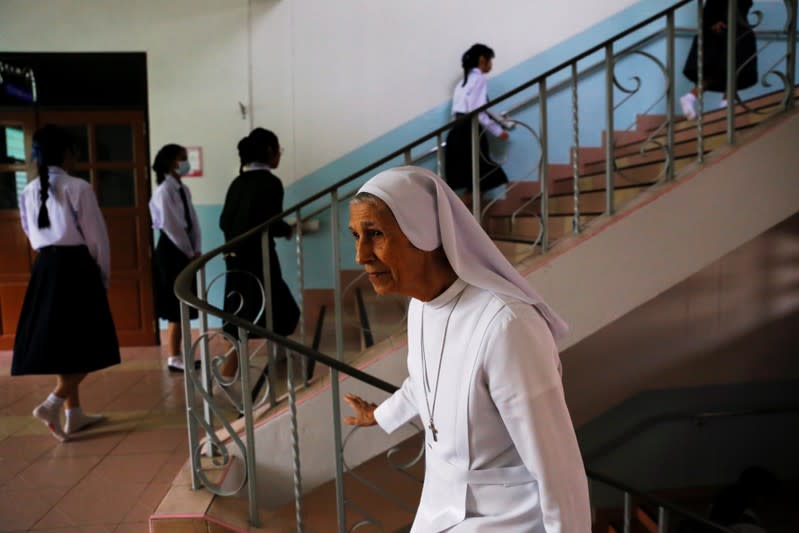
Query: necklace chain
x=431 y=411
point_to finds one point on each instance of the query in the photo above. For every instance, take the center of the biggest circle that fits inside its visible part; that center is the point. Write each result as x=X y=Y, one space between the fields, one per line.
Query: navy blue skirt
x=65 y=326
x=168 y=262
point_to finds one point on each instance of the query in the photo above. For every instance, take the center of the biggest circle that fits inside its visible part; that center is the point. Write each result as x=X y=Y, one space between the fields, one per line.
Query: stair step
x=319 y=505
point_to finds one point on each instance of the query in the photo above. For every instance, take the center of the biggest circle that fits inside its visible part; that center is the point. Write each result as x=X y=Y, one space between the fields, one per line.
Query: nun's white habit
x=484 y=379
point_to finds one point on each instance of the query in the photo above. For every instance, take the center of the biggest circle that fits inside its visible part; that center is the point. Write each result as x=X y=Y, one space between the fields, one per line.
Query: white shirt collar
x=255 y=166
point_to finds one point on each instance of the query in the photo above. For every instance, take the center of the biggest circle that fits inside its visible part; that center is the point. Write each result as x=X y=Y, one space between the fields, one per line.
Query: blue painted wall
x=520 y=153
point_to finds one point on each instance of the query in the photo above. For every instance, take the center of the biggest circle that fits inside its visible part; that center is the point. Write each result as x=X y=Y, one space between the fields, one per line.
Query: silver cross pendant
x=433 y=430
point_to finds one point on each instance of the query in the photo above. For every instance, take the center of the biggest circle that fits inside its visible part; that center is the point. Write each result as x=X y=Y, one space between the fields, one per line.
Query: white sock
x=77 y=420
x=687 y=102
x=49 y=412
x=53 y=401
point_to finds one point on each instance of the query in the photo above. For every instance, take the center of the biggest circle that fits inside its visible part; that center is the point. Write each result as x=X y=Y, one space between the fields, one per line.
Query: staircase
x=615 y=245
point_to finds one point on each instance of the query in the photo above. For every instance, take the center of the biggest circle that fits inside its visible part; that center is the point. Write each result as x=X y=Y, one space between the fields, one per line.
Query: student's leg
x=173 y=338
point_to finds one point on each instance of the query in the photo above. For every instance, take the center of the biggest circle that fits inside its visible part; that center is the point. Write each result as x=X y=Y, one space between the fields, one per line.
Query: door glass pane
x=11 y=185
x=80 y=136
x=12 y=144
x=114 y=142
x=117 y=188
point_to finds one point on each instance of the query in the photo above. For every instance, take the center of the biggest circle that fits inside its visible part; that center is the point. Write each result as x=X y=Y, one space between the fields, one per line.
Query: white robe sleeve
x=399 y=409
x=522 y=369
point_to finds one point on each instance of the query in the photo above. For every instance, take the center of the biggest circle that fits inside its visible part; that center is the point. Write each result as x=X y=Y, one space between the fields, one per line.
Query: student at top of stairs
x=65 y=326
x=470 y=94
x=714 y=60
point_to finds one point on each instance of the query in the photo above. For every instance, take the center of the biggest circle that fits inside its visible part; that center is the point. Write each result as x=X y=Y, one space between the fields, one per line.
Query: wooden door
x=16 y=256
x=112 y=156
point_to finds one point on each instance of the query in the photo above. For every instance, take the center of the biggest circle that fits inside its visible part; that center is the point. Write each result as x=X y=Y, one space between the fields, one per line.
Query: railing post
x=408 y=157
x=700 y=66
x=628 y=512
x=610 y=163
x=790 y=57
x=576 y=224
x=204 y=355
x=249 y=427
x=544 y=174
x=670 y=95
x=191 y=423
x=334 y=385
x=301 y=290
x=663 y=520
x=732 y=39
x=475 y=166
x=440 y=156
x=295 y=440
x=266 y=255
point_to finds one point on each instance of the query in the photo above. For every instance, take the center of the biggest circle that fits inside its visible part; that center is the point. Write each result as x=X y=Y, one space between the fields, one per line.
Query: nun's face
x=393 y=264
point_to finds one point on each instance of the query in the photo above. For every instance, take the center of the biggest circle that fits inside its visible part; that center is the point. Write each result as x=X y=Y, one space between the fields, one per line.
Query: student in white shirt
x=470 y=94
x=180 y=240
x=65 y=326
x=483 y=368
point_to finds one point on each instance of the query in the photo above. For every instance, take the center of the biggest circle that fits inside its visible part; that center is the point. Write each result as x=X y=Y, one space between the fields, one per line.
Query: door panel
x=112 y=156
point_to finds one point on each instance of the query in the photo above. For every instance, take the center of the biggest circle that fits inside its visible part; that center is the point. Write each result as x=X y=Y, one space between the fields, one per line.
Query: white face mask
x=183 y=168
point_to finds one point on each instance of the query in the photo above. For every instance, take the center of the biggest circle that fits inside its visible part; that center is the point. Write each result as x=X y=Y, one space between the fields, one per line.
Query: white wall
x=326 y=76
x=196 y=64
x=330 y=76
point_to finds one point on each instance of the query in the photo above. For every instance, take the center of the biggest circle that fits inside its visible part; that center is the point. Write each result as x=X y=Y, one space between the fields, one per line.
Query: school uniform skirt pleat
x=168 y=262
x=65 y=326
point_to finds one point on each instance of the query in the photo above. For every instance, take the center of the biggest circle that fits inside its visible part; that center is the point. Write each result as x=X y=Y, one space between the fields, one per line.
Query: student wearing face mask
x=173 y=214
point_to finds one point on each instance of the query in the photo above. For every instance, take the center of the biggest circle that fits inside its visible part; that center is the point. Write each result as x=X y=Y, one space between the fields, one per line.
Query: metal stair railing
x=208 y=413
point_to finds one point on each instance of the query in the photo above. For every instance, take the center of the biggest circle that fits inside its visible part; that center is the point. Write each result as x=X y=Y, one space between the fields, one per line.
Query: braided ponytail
x=44 y=193
x=50 y=145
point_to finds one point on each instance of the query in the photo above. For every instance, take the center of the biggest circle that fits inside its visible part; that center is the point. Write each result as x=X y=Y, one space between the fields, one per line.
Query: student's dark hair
x=262 y=145
x=162 y=165
x=245 y=153
x=50 y=145
x=471 y=58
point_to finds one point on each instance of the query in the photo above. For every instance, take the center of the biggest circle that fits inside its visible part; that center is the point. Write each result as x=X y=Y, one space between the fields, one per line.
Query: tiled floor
x=108 y=479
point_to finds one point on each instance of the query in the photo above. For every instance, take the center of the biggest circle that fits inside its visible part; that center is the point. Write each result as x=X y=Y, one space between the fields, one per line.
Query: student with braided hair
x=67 y=288
x=470 y=94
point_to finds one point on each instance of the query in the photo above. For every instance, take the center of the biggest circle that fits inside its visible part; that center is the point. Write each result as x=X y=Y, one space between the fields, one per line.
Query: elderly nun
x=484 y=372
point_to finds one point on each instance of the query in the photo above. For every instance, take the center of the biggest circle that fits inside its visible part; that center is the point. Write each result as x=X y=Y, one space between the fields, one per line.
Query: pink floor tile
x=81 y=529
x=139 y=468
x=158 y=440
x=94 y=502
x=50 y=471
x=100 y=441
x=139 y=527
x=27 y=446
x=20 y=508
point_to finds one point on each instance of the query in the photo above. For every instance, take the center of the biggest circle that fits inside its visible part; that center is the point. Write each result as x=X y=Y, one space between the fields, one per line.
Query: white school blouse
x=75 y=217
x=473 y=95
x=507 y=458
x=166 y=211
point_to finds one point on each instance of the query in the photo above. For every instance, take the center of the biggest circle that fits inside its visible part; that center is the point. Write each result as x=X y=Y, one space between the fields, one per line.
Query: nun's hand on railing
x=364 y=411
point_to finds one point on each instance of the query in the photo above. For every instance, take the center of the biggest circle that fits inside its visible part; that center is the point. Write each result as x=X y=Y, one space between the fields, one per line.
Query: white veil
x=431 y=215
